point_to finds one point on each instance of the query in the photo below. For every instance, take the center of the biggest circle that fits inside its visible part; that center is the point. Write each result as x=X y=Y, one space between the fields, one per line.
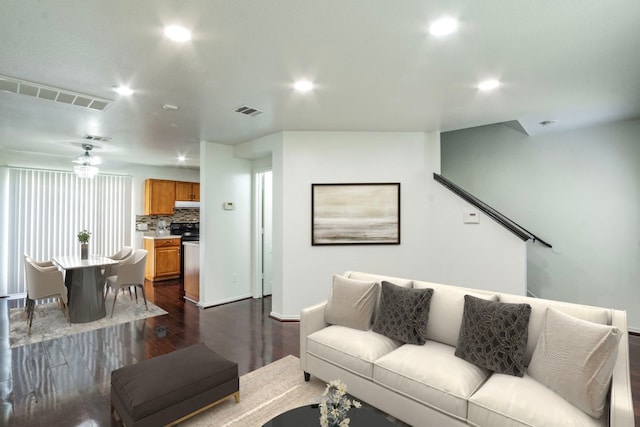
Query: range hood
x=187 y=204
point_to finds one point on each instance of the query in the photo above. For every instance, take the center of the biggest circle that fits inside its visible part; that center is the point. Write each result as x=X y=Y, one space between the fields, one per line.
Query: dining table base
x=85 y=288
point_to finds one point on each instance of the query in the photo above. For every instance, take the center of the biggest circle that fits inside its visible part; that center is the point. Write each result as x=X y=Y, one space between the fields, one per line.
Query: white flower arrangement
x=335 y=405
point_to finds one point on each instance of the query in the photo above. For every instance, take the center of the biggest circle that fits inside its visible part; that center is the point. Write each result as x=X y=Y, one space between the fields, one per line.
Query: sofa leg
x=307 y=376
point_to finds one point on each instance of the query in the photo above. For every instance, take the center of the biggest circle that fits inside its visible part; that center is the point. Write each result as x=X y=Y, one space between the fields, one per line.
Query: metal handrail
x=501 y=219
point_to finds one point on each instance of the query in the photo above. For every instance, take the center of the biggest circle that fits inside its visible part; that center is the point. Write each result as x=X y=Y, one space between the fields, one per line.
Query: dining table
x=84 y=279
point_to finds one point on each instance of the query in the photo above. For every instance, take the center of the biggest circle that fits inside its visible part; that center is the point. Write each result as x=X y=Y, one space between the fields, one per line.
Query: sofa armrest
x=311 y=320
x=621 y=403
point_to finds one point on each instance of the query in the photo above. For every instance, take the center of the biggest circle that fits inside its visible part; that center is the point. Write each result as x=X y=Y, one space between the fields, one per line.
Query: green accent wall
x=578 y=190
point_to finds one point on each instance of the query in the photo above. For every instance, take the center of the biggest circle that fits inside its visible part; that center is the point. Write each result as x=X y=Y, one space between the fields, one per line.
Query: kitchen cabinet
x=191 y=277
x=163 y=258
x=187 y=191
x=159 y=197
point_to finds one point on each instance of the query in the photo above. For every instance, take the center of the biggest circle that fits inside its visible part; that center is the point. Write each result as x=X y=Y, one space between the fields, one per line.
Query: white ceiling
x=375 y=66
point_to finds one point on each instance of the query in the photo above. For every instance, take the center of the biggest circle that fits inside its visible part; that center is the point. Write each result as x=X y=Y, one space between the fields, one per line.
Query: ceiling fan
x=87 y=164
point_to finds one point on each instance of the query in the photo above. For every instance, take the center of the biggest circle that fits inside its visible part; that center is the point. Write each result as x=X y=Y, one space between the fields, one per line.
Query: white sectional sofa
x=428 y=385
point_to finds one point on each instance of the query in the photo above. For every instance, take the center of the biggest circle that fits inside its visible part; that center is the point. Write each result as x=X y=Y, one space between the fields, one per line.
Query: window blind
x=47 y=209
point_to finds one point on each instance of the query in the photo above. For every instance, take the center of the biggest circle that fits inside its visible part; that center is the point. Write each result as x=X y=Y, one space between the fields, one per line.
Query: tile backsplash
x=181 y=215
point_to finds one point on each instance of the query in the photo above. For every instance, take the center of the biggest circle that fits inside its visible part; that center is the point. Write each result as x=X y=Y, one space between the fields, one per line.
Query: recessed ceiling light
x=123 y=90
x=443 y=27
x=170 y=107
x=303 y=86
x=181 y=158
x=177 y=33
x=488 y=85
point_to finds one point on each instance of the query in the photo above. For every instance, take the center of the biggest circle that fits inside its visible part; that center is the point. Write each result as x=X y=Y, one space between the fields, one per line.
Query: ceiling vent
x=37 y=90
x=97 y=138
x=248 y=111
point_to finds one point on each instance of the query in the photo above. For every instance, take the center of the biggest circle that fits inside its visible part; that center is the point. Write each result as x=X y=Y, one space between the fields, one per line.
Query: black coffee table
x=310 y=416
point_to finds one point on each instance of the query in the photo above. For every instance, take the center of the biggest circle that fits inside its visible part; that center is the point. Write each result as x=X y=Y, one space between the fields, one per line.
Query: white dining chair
x=42 y=264
x=129 y=274
x=122 y=256
x=47 y=265
x=44 y=282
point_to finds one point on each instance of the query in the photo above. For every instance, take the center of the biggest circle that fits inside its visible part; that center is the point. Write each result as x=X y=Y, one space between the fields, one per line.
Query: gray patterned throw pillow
x=403 y=313
x=493 y=335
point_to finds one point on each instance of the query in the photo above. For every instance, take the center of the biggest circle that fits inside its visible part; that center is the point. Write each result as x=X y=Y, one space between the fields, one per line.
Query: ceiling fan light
x=86 y=164
x=85 y=171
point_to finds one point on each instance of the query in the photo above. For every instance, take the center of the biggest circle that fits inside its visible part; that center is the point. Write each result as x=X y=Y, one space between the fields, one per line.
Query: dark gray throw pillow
x=403 y=313
x=493 y=335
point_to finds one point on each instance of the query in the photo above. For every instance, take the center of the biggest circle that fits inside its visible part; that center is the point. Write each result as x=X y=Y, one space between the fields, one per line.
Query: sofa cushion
x=493 y=335
x=505 y=400
x=403 y=313
x=445 y=312
x=575 y=358
x=430 y=374
x=539 y=309
x=351 y=303
x=350 y=349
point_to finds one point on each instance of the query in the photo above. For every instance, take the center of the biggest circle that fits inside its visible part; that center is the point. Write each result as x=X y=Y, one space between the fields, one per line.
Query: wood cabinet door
x=195 y=189
x=167 y=261
x=160 y=197
x=184 y=191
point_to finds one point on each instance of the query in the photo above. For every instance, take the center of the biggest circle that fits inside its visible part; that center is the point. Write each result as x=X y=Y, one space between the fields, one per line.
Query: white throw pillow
x=351 y=303
x=575 y=358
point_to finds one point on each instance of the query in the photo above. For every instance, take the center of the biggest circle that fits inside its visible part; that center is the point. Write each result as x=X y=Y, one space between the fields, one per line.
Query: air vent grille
x=37 y=90
x=248 y=111
x=97 y=138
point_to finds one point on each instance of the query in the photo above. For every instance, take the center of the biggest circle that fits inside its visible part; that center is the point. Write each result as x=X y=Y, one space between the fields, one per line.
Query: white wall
x=579 y=190
x=435 y=244
x=225 y=235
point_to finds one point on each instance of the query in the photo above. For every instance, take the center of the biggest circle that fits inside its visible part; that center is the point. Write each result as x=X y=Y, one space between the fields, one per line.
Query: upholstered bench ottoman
x=170 y=388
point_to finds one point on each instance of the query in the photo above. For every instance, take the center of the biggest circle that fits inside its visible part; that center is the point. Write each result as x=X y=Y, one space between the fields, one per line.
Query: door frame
x=258 y=232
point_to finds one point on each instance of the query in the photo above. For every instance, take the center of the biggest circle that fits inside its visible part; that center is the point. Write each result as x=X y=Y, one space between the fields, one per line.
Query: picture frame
x=355 y=214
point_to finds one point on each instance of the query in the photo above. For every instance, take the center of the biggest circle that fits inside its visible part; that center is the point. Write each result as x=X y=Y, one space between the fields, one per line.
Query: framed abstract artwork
x=355 y=214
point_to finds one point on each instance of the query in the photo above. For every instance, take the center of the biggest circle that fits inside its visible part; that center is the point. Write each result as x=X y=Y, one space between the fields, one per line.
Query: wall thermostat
x=471 y=218
x=228 y=206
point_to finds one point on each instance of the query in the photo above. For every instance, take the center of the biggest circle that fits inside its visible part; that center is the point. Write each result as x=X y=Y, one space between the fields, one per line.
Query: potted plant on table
x=335 y=405
x=83 y=238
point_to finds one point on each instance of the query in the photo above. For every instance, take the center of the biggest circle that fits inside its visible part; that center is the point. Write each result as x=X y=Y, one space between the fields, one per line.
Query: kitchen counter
x=191 y=243
x=154 y=236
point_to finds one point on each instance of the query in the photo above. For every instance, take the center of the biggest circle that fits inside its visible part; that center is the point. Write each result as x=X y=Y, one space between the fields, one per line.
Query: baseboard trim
x=223 y=301
x=283 y=317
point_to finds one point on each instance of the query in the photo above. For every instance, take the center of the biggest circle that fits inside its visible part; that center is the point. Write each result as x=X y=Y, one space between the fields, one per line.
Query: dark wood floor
x=66 y=382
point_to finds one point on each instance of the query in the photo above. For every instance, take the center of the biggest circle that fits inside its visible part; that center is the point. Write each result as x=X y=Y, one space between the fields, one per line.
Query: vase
x=84 y=251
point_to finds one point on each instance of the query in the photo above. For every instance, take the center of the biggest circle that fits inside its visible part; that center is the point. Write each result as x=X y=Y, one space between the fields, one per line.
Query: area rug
x=49 y=321
x=264 y=394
